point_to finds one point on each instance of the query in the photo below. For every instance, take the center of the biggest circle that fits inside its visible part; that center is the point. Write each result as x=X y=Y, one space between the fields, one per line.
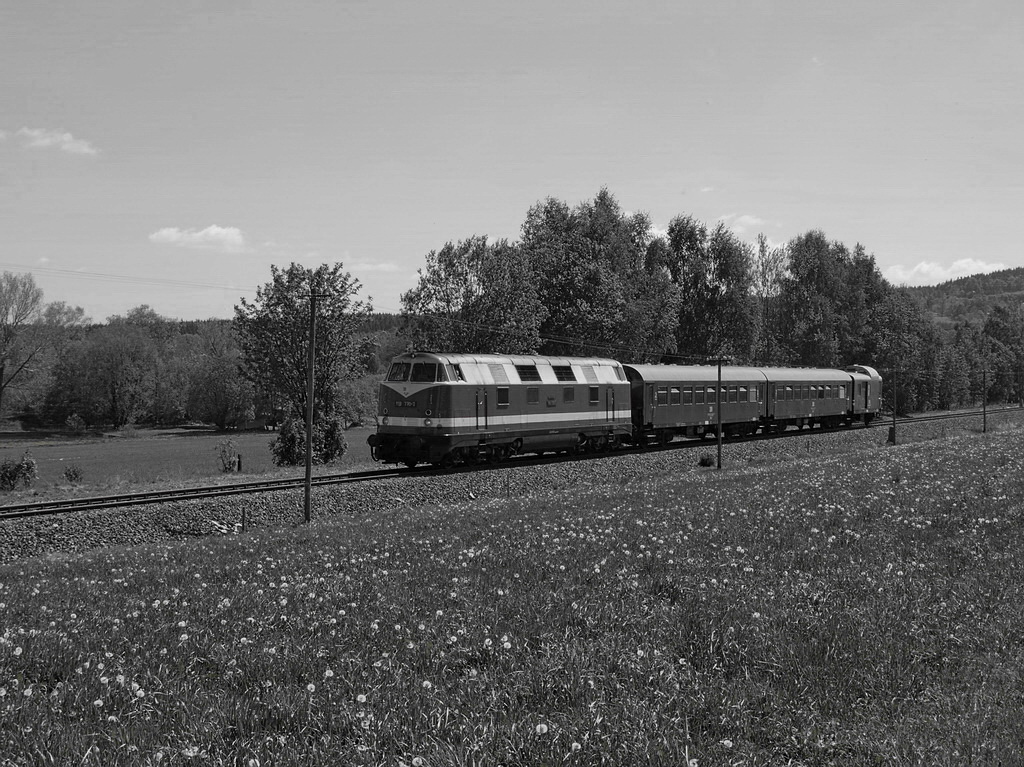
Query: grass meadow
x=860 y=609
x=147 y=456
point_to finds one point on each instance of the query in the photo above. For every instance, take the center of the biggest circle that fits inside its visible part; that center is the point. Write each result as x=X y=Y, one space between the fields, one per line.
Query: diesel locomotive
x=446 y=409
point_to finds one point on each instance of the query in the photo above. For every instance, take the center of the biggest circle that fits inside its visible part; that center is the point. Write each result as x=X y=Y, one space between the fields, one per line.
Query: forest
x=589 y=279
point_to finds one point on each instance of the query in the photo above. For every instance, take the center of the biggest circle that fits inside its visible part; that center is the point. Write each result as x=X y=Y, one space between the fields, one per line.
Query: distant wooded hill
x=971 y=298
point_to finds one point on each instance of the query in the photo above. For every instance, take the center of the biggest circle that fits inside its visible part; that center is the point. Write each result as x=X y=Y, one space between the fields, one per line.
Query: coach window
x=842 y=392
x=789 y=393
x=698 y=395
x=821 y=392
x=399 y=371
x=662 y=395
x=806 y=394
x=711 y=394
x=743 y=394
x=675 y=396
x=502 y=396
x=814 y=392
x=568 y=394
x=595 y=395
x=733 y=394
x=532 y=395
x=688 y=395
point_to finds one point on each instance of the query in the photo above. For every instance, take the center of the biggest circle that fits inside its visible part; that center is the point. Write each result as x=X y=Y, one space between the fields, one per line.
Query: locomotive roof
x=513 y=359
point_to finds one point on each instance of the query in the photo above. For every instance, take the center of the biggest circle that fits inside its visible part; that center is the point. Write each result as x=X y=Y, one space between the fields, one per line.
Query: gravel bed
x=180 y=520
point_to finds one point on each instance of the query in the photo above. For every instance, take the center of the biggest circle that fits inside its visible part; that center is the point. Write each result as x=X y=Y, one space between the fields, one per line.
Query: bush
x=289 y=447
x=707 y=459
x=227 y=452
x=75 y=424
x=15 y=473
x=73 y=474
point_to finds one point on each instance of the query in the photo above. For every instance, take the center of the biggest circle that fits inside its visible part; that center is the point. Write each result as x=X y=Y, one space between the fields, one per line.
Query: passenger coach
x=453 y=408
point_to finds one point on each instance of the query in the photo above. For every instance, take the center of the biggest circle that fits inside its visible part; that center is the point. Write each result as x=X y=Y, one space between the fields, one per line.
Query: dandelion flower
x=311 y=687
x=17 y=651
x=98 y=703
x=328 y=674
x=360 y=698
x=140 y=693
x=541 y=729
x=417 y=761
x=426 y=684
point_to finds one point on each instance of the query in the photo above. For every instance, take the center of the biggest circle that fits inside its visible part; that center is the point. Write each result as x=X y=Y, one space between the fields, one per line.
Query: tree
x=475 y=297
x=769 y=270
x=28 y=327
x=273 y=334
x=713 y=271
x=601 y=278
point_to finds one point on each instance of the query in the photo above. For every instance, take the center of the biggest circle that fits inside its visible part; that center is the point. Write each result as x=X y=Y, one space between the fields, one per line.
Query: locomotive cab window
x=459 y=375
x=563 y=373
x=595 y=395
x=532 y=395
x=424 y=372
x=502 y=397
x=399 y=371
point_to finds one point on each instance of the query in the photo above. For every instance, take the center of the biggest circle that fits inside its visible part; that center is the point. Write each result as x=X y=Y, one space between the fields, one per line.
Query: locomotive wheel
x=447 y=461
x=410 y=464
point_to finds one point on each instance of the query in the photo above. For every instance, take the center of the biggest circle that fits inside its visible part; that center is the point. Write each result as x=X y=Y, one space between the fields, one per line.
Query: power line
x=123 y=278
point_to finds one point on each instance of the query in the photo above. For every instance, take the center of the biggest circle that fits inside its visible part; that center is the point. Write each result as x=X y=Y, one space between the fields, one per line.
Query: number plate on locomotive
x=404 y=403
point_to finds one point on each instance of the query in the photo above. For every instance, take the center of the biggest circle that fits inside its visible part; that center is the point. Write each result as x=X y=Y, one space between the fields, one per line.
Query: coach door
x=609 y=404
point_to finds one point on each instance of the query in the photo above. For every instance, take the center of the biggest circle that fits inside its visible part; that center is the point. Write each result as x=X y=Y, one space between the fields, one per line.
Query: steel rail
x=93 y=503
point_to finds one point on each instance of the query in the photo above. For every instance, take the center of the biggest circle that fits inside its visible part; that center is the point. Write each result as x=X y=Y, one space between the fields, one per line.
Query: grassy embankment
x=857 y=609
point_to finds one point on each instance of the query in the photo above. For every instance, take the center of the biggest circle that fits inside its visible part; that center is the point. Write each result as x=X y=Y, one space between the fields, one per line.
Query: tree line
x=589 y=279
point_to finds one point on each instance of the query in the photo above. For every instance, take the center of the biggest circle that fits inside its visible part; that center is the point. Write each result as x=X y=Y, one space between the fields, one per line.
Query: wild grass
x=855 y=610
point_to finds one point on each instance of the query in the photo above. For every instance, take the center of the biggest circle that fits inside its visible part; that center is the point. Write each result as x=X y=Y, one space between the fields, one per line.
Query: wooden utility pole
x=718 y=412
x=310 y=369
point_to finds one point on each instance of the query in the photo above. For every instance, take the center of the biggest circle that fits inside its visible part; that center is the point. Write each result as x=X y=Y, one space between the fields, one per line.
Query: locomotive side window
x=423 y=372
x=595 y=395
x=399 y=371
x=502 y=397
x=528 y=372
x=568 y=394
x=532 y=395
x=674 y=395
x=688 y=395
x=562 y=373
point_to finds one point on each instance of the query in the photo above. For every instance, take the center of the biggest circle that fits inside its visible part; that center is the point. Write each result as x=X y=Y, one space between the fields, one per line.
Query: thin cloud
x=41 y=138
x=370 y=266
x=931 y=273
x=741 y=223
x=226 y=239
x=706 y=189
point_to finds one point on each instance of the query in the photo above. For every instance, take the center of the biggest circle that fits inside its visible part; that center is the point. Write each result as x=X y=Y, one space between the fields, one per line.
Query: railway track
x=92 y=503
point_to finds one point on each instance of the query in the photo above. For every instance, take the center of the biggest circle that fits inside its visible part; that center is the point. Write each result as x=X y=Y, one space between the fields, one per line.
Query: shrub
x=289 y=447
x=15 y=473
x=707 y=459
x=227 y=452
x=75 y=424
x=73 y=474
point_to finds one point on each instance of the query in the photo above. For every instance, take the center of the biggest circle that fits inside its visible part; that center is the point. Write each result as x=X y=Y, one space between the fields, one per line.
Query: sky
x=168 y=153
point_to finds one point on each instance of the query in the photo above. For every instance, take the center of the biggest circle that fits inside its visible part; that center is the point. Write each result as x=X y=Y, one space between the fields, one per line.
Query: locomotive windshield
x=399 y=371
x=425 y=372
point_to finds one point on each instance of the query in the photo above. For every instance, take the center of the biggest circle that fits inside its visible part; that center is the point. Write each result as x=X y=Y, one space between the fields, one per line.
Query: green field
x=855 y=609
x=148 y=456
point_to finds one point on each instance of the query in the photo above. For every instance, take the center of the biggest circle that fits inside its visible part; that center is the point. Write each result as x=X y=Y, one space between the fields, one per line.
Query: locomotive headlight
x=427 y=422
x=384 y=421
